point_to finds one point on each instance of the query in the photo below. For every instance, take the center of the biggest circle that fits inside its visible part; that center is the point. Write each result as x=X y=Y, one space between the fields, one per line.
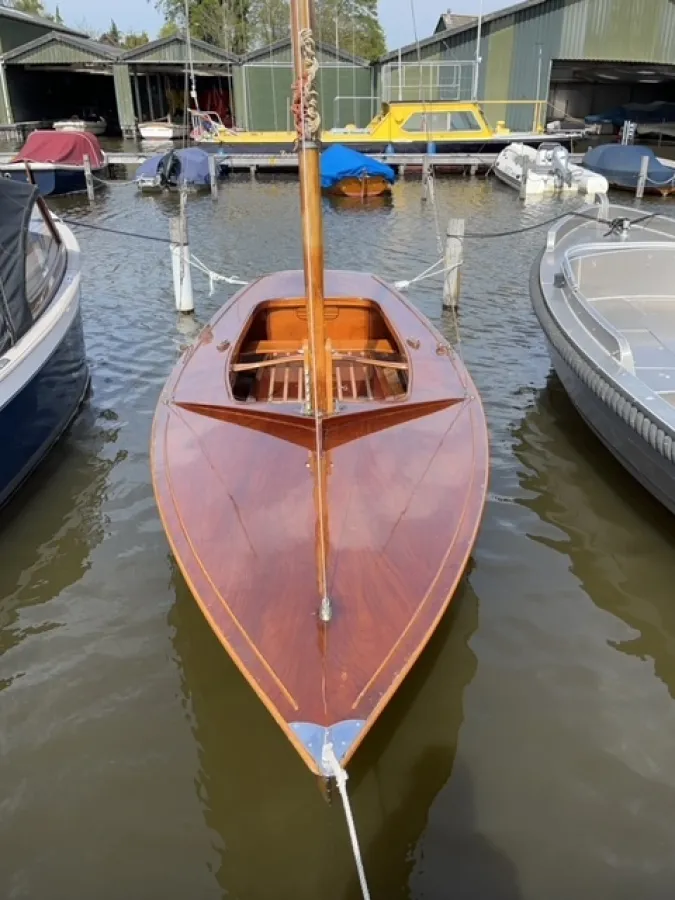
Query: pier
x=288 y=162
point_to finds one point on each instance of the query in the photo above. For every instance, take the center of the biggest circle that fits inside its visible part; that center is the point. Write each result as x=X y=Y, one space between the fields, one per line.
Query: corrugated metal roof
x=91 y=49
x=8 y=13
x=204 y=52
x=284 y=43
x=450 y=20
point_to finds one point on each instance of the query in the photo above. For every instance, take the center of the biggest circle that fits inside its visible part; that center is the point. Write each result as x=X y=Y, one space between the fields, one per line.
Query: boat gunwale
x=629 y=386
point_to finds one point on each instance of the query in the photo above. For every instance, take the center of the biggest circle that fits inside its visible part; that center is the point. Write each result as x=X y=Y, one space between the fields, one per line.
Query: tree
x=224 y=23
x=112 y=36
x=57 y=16
x=32 y=7
x=243 y=25
x=132 y=40
x=269 y=22
x=168 y=29
x=353 y=25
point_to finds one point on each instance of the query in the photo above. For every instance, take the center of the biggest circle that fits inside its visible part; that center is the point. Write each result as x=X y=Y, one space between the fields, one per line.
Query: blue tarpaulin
x=188 y=166
x=340 y=162
x=641 y=113
x=620 y=164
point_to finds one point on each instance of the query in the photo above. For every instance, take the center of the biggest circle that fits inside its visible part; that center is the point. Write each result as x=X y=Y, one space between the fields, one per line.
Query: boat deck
x=630 y=292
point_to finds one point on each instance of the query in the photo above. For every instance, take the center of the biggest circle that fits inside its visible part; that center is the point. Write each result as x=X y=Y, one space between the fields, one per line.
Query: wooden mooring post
x=88 y=177
x=427 y=175
x=454 y=257
x=180 y=258
x=213 y=175
x=642 y=178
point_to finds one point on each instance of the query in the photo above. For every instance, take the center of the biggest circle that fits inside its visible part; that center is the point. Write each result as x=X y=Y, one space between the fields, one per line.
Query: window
x=416 y=122
x=45 y=265
x=463 y=121
x=441 y=122
x=436 y=122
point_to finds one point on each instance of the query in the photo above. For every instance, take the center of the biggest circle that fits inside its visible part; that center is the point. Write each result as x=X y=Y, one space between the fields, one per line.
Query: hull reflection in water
x=621 y=540
x=53 y=525
x=256 y=797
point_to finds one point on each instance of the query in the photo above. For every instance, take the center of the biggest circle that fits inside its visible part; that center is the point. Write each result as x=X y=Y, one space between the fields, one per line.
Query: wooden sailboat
x=320 y=463
x=362 y=188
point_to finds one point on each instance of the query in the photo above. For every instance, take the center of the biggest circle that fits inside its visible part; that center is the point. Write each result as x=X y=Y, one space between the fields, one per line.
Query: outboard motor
x=560 y=163
x=169 y=170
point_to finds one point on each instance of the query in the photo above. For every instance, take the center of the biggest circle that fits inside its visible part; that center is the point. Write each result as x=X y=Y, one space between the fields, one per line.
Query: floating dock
x=288 y=162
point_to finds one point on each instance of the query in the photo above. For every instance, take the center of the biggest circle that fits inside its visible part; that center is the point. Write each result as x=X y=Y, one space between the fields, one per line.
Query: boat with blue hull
x=621 y=163
x=57 y=161
x=44 y=374
x=187 y=168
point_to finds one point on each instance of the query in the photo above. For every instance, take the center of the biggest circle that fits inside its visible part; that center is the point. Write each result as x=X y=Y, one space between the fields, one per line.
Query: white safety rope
x=214 y=277
x=431 y=272
x=331 y=764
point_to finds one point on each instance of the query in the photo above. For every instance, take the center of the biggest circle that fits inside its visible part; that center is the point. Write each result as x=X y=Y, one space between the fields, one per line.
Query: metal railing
x=430 y=80
x=361 y=114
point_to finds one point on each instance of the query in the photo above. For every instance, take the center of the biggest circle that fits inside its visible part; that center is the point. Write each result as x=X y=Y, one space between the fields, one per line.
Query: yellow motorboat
x=404 y=127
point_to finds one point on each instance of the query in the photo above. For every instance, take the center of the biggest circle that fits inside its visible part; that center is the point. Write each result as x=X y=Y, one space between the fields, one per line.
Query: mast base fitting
x=326 y=610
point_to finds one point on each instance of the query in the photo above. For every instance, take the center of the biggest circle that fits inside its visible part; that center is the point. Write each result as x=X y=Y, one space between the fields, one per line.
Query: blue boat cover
x=192 y=167
x=641 y=113
x=620 y=164
x=340 y=162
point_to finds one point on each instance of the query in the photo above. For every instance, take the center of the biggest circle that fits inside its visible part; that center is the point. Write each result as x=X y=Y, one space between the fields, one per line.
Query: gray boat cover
x=16 y=205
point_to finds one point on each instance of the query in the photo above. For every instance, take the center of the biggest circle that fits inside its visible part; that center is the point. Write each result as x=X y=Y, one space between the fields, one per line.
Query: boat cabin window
x=45 y=265
x=442 y=122
x=464 y=121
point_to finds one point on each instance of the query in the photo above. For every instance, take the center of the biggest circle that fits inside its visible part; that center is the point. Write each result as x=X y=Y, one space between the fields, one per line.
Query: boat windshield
x=45 y=265
x=459 y=120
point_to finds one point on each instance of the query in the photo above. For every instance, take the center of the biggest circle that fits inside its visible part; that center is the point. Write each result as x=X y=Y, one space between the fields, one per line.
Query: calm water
x=530 y=753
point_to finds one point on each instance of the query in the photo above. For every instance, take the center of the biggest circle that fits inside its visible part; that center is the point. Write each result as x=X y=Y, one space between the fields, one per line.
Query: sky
x=395 y=15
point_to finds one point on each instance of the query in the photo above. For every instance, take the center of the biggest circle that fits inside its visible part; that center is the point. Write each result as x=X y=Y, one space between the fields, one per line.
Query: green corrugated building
x=538 y=59
x=17 y=29
x=582 y=56
x=262 y=88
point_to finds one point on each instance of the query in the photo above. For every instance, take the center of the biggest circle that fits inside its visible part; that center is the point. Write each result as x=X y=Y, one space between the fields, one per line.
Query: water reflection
x=357 y=205
x=259 y=798
x=54 y=523
x=620 y=541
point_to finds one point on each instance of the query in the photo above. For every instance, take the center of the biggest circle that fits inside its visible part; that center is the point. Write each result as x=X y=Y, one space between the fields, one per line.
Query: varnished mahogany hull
x=361 y=188
x=405 y=489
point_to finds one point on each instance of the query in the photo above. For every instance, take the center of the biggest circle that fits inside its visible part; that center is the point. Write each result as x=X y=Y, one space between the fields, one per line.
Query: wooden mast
x=308 y=128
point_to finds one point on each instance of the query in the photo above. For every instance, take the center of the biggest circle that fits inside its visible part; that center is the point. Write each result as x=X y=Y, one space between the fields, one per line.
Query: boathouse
x=579 y=56
x=155 y=80
x=17 y=30
x=262 y=85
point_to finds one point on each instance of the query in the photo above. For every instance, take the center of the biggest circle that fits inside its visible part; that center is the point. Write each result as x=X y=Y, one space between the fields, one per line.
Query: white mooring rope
x=431 y=272
x=214 y=276
x=331 y=764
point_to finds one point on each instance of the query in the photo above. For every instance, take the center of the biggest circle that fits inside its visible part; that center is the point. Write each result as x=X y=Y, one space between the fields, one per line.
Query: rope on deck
x=331 y=764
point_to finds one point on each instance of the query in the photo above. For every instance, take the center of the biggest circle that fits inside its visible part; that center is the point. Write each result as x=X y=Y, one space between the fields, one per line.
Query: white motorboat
x=545 y=170
x=96 y=125
x=162 y=130
x=605 y=298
